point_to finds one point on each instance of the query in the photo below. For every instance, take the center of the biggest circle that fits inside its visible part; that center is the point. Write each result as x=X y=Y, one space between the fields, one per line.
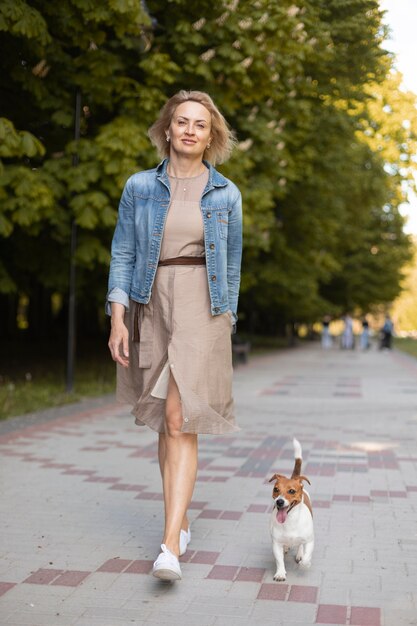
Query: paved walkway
x=83 y=513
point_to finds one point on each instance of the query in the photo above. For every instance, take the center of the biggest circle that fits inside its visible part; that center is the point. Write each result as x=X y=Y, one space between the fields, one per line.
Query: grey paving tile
x=179 y=619
x=232 y=621
x=106 y=613
x=29 y=618
x=220 y=606
x=297 y=612
x=102 y=621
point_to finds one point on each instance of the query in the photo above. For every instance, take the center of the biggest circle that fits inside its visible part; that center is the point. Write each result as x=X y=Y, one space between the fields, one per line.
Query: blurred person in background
x=348 y=340
x=386 y=333
x=365 y=344
x=326 y=338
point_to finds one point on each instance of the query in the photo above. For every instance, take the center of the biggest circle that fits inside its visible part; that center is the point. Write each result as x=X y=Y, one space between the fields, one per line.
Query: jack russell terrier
x=292 y=518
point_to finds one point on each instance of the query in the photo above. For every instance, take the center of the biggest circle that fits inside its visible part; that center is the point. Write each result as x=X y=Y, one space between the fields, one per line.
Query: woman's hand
x=119 y=335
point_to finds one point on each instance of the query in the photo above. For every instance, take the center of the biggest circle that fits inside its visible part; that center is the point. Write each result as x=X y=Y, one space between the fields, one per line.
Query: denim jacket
x=140 y=227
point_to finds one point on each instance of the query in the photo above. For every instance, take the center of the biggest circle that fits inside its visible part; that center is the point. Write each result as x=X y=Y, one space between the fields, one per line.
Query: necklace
x=182 y=179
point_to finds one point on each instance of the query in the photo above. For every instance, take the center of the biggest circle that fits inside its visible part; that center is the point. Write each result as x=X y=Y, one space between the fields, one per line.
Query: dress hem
x=233 y=429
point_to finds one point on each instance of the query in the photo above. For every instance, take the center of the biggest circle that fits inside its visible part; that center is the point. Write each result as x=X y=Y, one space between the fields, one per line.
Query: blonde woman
x=173 y=293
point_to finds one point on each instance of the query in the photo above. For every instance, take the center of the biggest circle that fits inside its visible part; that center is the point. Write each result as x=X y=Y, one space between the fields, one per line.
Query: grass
x=406 y=344
x=34 y=378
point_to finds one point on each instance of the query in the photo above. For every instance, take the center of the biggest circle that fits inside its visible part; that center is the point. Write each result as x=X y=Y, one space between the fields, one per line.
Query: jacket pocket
x=223 y=223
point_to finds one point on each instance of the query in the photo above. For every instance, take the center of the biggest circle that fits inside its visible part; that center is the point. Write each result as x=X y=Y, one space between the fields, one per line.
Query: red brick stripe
x=223 y=572
x=139 y=567
x=331 y=614
x=362 y=616
x=43 y=576
x=114 y=565
x=71 y=578
x=251 y=574
x=273 y=591
x=299 y=593
x=5 y=587
x=52 y=425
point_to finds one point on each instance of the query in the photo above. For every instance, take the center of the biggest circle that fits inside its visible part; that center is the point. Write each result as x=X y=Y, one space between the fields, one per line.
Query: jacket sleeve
x=234 y=253
x=123 y=252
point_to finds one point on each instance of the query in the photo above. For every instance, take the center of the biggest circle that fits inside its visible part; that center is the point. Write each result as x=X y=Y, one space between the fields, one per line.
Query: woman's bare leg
x=178 y=458
x=161 y=457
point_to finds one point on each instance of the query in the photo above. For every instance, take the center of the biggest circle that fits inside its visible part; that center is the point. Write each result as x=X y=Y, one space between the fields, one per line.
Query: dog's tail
x=298 y=456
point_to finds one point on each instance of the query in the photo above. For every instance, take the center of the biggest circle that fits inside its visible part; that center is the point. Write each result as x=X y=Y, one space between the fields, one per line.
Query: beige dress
x=175 y=334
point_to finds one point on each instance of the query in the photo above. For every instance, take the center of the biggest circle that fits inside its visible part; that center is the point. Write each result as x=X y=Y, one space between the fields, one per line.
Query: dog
x=292 y=517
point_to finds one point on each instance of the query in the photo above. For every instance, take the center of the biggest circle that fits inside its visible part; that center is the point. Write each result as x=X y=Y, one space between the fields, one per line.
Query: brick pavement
x=82 y=510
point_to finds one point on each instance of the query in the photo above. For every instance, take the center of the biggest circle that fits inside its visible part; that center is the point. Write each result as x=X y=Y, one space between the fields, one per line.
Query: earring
x=208 y=146
x=168 y=138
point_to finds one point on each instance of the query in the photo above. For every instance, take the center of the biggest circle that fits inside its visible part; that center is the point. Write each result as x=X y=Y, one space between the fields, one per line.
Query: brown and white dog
x=292 y=518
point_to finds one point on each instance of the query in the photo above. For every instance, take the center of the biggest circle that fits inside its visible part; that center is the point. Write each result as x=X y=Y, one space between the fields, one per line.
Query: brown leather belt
x=184 y=260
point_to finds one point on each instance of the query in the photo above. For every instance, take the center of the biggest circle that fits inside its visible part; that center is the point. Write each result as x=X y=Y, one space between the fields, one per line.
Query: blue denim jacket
x=140 y=226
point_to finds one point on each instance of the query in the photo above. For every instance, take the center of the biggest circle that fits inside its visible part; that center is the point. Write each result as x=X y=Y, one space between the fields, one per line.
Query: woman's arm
x=119 y=335
x=123 y=252
x=234 y=253
x=121 y=269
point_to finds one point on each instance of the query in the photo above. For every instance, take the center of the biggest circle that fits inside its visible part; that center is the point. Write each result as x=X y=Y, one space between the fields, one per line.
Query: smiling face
x=189 y=131
x=287 y=493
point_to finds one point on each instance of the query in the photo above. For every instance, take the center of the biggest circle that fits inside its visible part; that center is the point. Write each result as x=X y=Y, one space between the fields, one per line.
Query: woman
x=365 y=345
x=348 y=339
x=326 y=338
x=173 y=292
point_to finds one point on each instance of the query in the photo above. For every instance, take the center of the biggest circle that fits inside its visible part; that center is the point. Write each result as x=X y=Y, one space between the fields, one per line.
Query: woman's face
x=190 y=129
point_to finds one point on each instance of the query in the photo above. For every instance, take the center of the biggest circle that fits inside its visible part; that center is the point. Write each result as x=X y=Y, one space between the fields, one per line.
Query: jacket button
x=216 y=309
x=213 y=278
x=212 y=246
x=209 y=214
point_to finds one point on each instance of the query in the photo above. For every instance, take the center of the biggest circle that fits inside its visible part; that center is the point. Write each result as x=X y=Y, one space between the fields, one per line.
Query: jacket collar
x=215 y=178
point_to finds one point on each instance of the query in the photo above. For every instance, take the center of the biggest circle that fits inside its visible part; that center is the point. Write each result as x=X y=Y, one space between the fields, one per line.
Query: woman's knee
x=173 y=423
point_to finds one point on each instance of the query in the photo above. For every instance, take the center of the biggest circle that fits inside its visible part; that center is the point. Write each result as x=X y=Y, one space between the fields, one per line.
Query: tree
x=50 y=53
x=405 y=307
x=294 y=82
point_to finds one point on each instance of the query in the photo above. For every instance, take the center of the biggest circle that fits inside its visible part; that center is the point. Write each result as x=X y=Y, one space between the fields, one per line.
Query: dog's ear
x=304 y=478
x=275 y=477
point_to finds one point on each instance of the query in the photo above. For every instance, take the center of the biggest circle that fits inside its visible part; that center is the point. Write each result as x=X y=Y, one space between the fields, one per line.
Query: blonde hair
x=223 y=140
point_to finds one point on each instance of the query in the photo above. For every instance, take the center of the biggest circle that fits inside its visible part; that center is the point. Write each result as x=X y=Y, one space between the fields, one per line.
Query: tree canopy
x=325 y=136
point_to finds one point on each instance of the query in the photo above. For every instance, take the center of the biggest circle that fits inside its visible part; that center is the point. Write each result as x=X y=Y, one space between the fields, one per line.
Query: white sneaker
x=166 y=566
x=185 y=538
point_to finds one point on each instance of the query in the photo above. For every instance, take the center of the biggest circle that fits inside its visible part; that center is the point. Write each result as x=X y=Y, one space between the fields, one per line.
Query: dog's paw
x=280 y=577
x=300 y=554
x=304 y=564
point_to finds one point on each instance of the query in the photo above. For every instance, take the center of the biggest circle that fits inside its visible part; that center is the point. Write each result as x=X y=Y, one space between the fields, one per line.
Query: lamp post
x=72 y=272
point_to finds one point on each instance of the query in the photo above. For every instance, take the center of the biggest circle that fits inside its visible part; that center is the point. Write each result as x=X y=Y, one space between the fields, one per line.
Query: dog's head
x=287 y=493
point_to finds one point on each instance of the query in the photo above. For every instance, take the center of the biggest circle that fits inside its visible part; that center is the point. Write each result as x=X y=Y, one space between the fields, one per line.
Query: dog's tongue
x=281 y=515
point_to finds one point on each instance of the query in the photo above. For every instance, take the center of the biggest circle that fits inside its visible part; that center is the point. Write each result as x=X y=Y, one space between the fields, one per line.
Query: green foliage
x=406 y=344
x=21 y=20
x=18 y=144
x=405 y=307
x=37 y=384
x=326 y=139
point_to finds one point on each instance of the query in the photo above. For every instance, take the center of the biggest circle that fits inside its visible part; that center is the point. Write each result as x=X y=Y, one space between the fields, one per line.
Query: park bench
x=240 y=349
